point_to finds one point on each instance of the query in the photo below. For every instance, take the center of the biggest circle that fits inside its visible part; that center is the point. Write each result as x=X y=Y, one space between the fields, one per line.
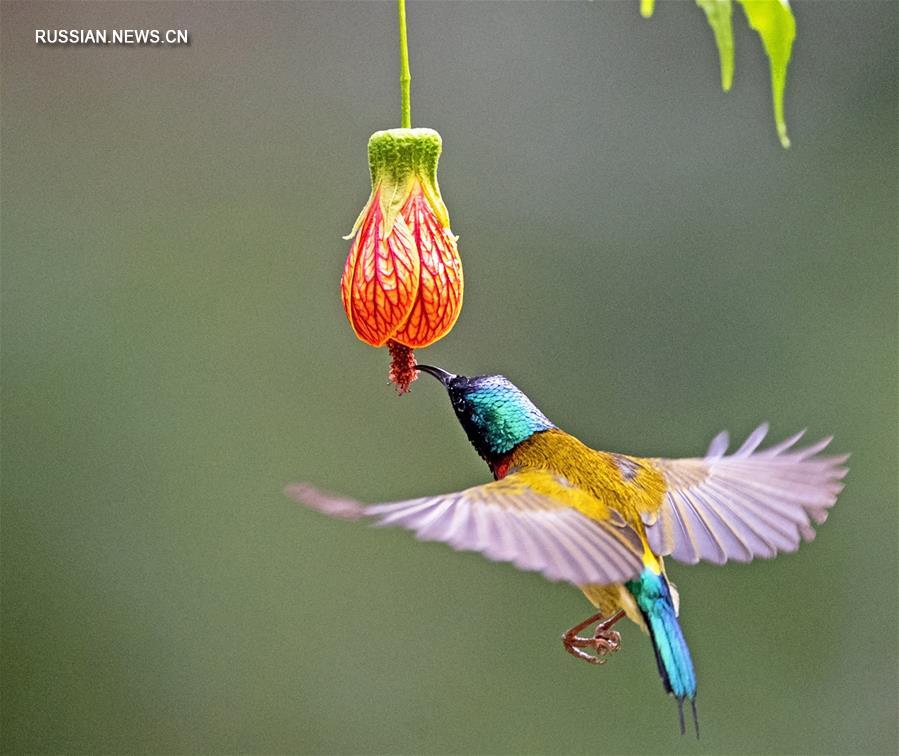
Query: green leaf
x=646 y=7
x=774 y=22
x=718 y=14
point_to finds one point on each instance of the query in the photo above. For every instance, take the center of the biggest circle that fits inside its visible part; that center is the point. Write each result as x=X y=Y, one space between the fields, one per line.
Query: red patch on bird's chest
x=501 y=468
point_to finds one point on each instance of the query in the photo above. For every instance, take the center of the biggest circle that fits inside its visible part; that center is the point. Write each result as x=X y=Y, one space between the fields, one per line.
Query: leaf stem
x=405 y=76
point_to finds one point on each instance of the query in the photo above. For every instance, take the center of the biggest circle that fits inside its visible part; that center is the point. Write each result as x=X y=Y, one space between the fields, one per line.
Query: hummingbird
x=604 y=521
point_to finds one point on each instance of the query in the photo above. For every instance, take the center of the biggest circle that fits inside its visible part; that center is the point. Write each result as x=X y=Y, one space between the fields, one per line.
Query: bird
x=604 y=521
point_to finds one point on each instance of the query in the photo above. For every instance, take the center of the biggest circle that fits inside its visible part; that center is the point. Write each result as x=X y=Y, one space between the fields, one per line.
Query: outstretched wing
x=509 y=520
x=744 y=505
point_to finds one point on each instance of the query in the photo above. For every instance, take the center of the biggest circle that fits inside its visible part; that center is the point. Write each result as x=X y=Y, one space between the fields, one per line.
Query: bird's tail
x=654 y=599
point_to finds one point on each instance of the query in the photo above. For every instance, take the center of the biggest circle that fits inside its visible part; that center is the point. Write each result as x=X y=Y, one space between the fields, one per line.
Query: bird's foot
x=604 y=641
x=602 y=644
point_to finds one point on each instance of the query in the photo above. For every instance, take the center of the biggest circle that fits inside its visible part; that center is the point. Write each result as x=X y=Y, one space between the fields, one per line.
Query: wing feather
x=752 y=442
x=752 y=503
x=575 y=541
x=699 y=529
x=728 y=539
x=679 y=538
x=507 y=521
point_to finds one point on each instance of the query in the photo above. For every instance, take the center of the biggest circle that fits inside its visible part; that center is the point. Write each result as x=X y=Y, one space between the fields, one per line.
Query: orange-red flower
x=402 y=283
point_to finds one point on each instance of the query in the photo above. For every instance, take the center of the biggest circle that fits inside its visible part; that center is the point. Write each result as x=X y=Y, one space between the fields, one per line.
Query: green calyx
x=398 y=158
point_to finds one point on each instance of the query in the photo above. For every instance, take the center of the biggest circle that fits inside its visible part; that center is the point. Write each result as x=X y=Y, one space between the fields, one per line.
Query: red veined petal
x=380 y=278
x=439 y=298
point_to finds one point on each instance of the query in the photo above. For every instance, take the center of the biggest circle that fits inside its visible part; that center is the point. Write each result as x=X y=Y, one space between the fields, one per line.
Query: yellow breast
x=616 y=482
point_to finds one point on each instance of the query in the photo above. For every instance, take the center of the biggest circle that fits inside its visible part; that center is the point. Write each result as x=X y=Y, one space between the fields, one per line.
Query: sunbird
x=604 y=521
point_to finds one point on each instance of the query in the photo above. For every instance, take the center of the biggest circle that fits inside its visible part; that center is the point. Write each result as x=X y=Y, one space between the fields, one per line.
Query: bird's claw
x=607 y=641
x=603 y=643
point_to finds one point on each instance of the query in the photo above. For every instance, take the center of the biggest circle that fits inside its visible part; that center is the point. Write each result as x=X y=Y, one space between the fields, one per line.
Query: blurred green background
x=641 y=257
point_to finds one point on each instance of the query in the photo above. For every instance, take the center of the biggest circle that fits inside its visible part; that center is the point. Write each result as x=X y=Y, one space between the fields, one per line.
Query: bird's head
x=496 y=414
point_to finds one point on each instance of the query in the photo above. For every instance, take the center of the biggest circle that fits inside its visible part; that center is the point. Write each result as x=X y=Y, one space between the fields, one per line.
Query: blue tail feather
x=654 y=600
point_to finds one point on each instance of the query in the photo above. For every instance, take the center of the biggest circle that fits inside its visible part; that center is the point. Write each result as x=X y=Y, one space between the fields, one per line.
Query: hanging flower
x=402 y=283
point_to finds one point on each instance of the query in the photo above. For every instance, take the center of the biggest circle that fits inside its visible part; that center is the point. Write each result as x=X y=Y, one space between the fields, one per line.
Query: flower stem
x=405 y=76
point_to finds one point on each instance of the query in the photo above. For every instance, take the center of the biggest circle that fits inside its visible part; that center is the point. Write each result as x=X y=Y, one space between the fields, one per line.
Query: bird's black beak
x=440 y=375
